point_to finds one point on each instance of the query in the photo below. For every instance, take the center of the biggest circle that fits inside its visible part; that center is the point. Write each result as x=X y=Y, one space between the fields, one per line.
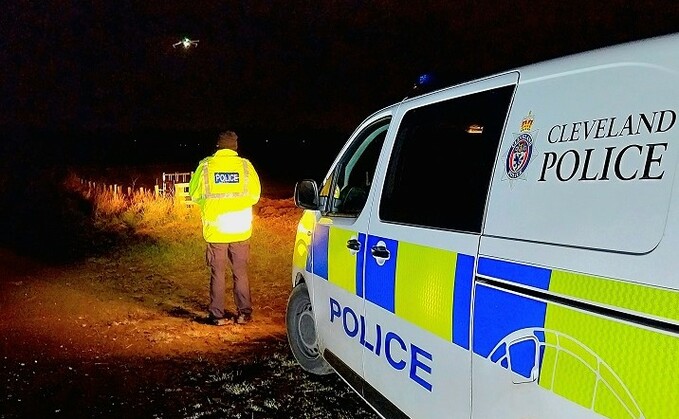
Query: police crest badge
x=521 y=152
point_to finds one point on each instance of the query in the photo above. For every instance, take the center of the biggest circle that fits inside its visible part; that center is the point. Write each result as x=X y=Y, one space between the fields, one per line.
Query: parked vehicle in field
x=503 y=248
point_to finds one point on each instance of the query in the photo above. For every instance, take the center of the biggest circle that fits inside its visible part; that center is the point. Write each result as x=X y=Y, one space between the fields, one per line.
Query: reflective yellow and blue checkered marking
x=345 y=271
x=438 y=301
x=611 y=365
x=498 y=313
x=607 y=345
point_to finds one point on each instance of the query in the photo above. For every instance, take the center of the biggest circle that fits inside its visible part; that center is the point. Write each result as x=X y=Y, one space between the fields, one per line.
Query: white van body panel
x=583 y=139
x=589 y=211
x=500 y=397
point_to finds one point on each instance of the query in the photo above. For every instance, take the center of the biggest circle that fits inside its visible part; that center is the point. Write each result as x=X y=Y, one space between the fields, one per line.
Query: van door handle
x=354 y=244
x=380 y=253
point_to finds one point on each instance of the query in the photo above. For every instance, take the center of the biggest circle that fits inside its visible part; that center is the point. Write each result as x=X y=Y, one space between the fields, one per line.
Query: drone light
x=186 y=43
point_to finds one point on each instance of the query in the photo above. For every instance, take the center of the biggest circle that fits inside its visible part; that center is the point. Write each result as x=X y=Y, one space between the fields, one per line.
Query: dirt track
x=71 y=348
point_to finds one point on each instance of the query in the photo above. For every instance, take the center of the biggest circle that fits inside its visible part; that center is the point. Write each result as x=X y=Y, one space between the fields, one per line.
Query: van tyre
x=301 y=328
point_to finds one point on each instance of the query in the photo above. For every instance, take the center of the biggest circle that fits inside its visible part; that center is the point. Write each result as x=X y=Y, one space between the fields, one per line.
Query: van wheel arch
x=299 y=279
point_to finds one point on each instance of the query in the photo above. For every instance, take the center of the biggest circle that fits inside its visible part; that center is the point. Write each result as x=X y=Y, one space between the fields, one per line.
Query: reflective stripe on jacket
x=225 y=186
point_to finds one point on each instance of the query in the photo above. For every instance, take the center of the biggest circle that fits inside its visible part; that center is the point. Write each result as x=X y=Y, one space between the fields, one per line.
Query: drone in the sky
x=186 y=43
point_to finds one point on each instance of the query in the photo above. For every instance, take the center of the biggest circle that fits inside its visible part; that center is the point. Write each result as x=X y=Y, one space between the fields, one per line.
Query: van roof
x=614 y=53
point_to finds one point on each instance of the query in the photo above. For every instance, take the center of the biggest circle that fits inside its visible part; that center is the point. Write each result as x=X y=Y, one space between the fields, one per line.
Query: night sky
x=276 y=66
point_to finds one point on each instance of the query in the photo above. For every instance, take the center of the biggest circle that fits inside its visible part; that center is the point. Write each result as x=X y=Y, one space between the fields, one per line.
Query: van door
x=338 y=248
x=421 y=249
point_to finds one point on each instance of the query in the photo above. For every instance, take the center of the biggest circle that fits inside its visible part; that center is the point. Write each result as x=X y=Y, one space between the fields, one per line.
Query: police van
x=503 y=248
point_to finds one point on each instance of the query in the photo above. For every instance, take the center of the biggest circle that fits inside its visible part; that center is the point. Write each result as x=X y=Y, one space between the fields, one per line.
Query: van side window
x=445 y=153
x=352 y=176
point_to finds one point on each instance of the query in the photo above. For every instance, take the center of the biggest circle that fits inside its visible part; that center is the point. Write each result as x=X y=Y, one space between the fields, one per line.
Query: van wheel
x=301 y=328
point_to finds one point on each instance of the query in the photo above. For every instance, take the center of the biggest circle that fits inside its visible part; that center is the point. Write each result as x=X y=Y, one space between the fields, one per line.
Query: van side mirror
x=306 y=194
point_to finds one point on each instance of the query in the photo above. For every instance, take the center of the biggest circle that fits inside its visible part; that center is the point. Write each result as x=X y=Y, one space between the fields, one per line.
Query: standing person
x=226 y=186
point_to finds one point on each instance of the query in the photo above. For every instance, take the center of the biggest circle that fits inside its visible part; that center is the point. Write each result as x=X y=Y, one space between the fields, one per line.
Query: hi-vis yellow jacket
x=225 y=186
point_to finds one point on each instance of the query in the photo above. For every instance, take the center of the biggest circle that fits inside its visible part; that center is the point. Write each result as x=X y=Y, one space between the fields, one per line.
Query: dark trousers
x=236 y=255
